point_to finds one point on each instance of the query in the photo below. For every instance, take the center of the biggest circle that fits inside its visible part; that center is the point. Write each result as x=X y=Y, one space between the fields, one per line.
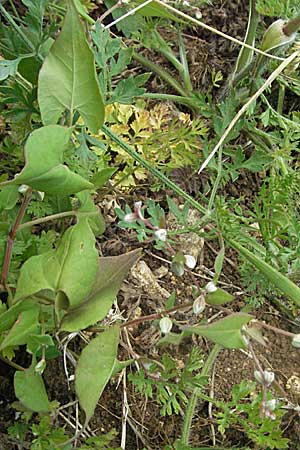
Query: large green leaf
x=30 y=390
x=111 y=273
x=7 y=318
x=67 y=80
x=70 y=270
x=44 y=169
x=26 y=324
x=9 y=196
x=94 y=369
x=226 y=332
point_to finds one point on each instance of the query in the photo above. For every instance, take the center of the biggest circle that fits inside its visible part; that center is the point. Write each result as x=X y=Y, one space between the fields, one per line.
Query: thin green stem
x=189 y=414
x=214 y=30
x=169 y=97
x=217 y=182
x=16 y=27
x=61 y=215
x=280 y=100
x=162 y=73
x=156 y=173
x=12 y=364
x=185 y=67
x=246 y=53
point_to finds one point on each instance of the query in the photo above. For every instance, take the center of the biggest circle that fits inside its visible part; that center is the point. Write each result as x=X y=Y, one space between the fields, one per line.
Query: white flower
x=190 y=261
x=130 y=218
x=165 y=325
x=23 y=188
x=211 y=287
x=199 y=305
x=40 y=367
x=296 y=341
x=161 y=234
x=40 y=195
x=264 y=377
x=271 y=404
x=198 y=14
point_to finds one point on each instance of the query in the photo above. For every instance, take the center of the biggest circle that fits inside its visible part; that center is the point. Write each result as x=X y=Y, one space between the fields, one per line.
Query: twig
x=125 y=410
x=129 y=13
x=214 y=30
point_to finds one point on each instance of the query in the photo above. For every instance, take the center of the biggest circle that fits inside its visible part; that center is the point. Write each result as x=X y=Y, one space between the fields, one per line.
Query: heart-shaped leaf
x=7 y=318
x=30 y=390
x=44 y=169
x=111 y=273
x=26 y=324
x=94 y=369
x=226 y=332
x=67 y=79
x=70 y=270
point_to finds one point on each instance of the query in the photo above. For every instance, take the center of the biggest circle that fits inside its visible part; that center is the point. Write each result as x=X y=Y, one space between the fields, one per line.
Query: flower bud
x=275 y=36
x=211 y=287
x=296 y=341
x=130 y=218
x=190 y=261
x=165 y=325
x=40 y=195
x=161 y=234
x=199 y=305
x=265 y=377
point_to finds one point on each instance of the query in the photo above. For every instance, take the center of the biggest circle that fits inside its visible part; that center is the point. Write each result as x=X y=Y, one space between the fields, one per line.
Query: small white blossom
x=198 y=14
x=130 y=218
x=296 y=341
x=23 y=188
x=271 y=404
x=264 y=378
x=138 y=205
x=41 y=195
x=165 y=325
x=190 y=261
x=40 y=367
x=199 y=305
x=211 y=287
x=161 y=234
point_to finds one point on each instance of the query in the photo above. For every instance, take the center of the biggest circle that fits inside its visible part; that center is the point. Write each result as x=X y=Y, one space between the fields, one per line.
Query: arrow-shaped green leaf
x=94 y=369
x=70 y=270
x=67 y=79
x=111 y=273
x=44 y=169
x=226 y=332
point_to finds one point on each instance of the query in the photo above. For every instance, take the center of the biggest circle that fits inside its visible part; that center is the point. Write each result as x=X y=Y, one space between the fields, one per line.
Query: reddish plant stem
x=157 y=315
x=275 y=329
x=12 y=235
